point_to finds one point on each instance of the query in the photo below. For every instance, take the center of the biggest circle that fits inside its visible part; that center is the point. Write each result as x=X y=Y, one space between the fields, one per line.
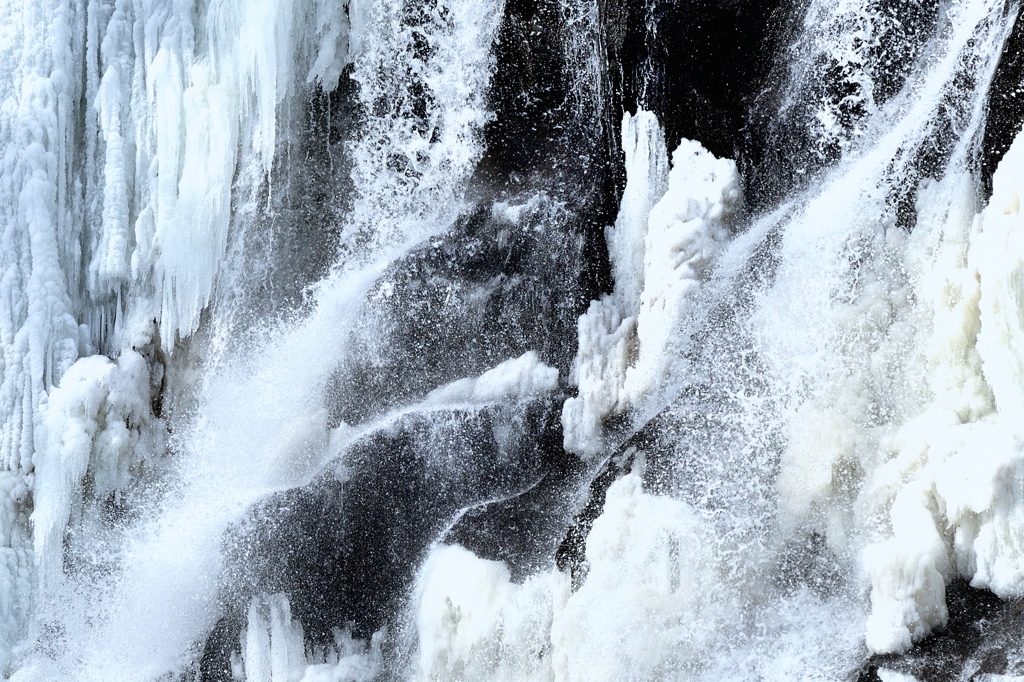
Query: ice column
x=670 y=229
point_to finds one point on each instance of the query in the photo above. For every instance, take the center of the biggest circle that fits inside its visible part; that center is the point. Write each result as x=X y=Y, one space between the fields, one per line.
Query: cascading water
x=446 y=340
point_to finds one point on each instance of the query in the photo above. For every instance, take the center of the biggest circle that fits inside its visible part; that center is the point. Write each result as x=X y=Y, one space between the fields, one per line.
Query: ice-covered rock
x=670 y=228
x=99 y=431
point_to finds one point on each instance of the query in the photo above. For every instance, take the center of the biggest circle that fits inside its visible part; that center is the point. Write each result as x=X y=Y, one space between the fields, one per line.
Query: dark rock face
x=1005 y=114
x=346 y=547
x=697 y=65
x=559 y=94
x=983 y=637
x=490 y=289
x=546 y=96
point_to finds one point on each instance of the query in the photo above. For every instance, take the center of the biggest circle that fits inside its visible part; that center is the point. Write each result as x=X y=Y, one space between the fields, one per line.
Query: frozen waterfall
x=511 y=340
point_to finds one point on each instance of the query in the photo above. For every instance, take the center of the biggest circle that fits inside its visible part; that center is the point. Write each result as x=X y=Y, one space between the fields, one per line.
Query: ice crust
x=520 y=377
x=671 y=226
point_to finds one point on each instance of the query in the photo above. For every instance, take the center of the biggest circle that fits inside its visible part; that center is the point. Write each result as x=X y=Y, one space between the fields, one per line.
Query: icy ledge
x=955 y=473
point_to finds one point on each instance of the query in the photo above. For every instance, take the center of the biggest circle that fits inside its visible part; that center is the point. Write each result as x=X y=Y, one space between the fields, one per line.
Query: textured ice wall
x=878 y=354
x=956 y=472
x=39 y=335
x=122 y=125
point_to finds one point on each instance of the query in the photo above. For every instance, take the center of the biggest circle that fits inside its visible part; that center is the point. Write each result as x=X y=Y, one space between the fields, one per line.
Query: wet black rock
x=697 y=65
x=345 y=548
x=501 y=282
x=983 y=636
x=1005 y=105
x=525 y=531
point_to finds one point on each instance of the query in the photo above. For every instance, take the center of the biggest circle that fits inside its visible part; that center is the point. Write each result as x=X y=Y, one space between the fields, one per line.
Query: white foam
x=892 y=676
x=520 y=377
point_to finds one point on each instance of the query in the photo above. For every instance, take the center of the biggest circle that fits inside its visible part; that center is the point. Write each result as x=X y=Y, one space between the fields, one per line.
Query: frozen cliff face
x=122 y=128
x=132 y=135
x=387 y=340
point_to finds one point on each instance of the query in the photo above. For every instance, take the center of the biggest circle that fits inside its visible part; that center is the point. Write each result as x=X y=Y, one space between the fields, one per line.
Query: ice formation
x=16 y=574
x=100 y=427
x=645 y=577
x=519 y=377
x=647 y=560
x=670 y=228
x=956 y=468
x=473 y=623
x=884 y=347
x=273 y=649
x=656 y=600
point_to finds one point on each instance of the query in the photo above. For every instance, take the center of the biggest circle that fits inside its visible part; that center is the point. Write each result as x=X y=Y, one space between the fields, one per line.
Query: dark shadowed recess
x=983 y=636
x=697 y=64
x=1005 y=106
